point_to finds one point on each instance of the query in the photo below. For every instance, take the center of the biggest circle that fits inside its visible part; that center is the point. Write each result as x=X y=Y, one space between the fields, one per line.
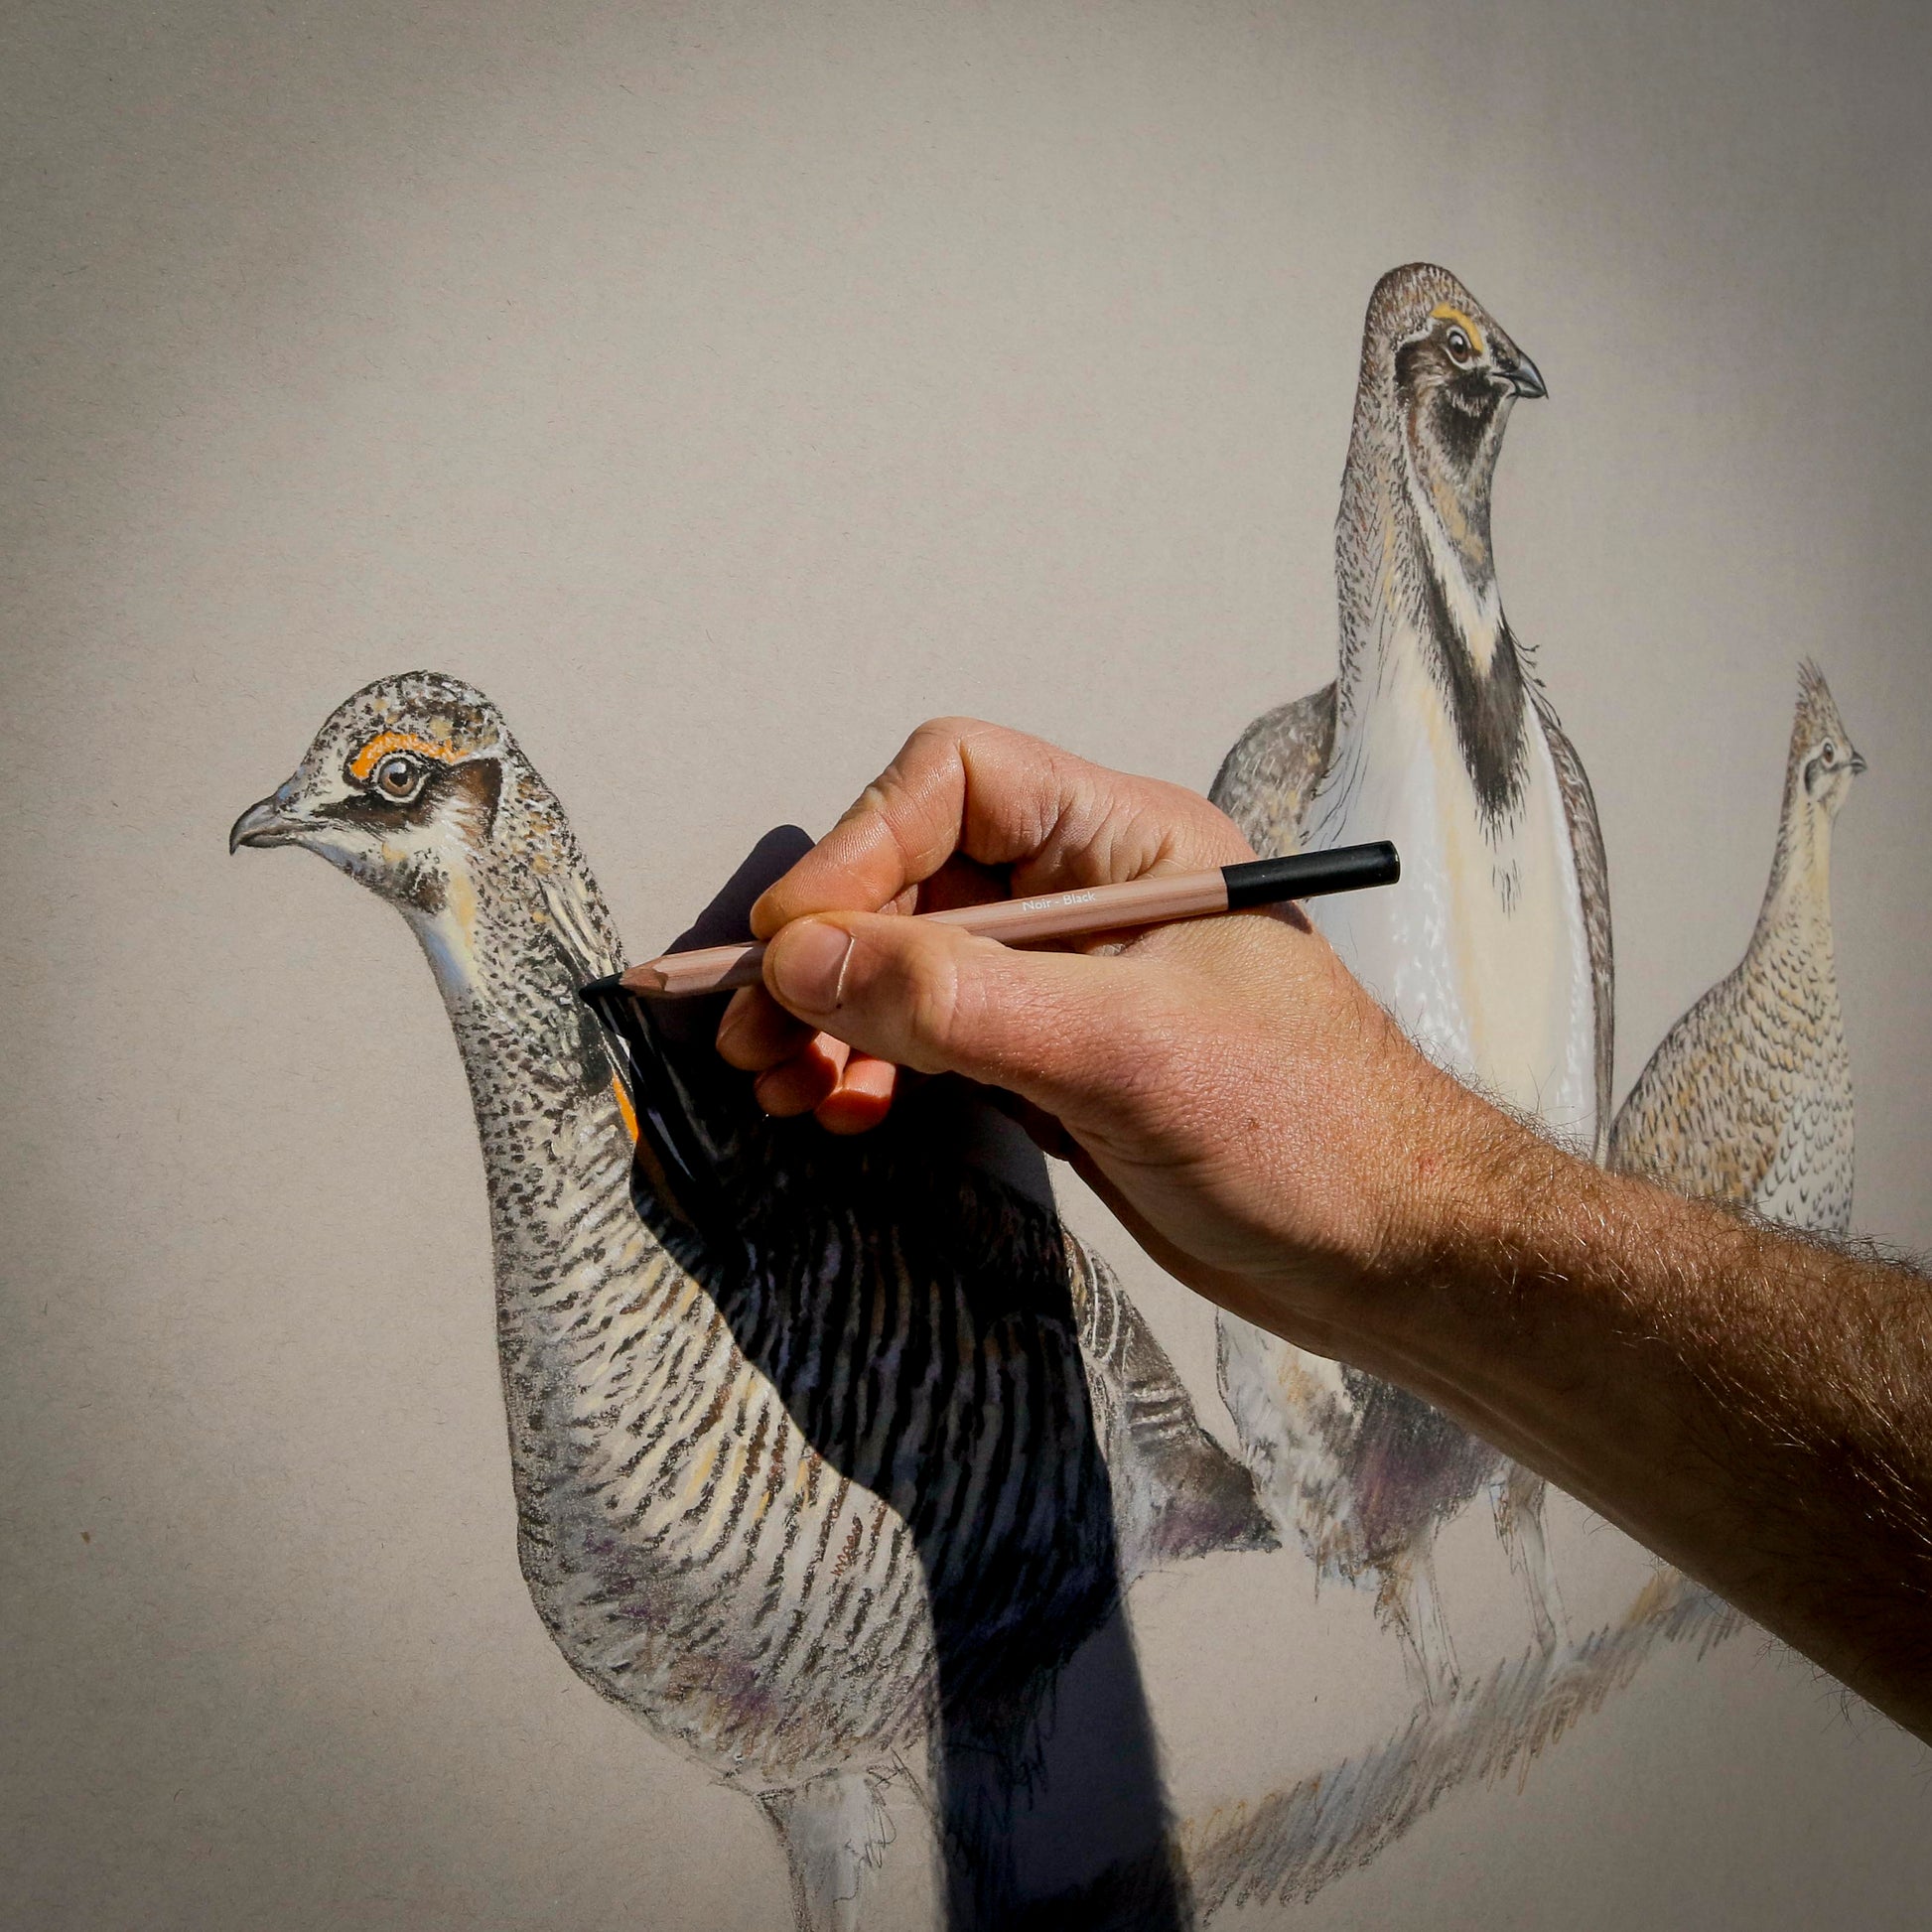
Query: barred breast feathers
x=1749 y=1097
x=812 y=1441
x=826 y=1457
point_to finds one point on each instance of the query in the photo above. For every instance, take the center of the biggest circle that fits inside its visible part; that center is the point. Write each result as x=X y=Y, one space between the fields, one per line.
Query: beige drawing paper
x=721 y=391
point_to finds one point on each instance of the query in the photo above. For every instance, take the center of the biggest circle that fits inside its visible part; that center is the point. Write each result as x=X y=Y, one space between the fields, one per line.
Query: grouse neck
x=1452 y=508
x=509 y=944
x=1466 y=609
x=557 y=1144
x=1365 y=539
x=1407 y=587
x=1799 y=890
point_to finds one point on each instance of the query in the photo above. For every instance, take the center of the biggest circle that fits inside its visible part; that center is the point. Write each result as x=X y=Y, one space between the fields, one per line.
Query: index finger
x=997 y=797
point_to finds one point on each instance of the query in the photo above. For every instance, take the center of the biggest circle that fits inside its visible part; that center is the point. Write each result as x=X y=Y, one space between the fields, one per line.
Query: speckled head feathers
x=1440 y=378
x=1426 y=308
x=1823 y=759
x=413 y=777
x=1818 y=714
x=415 y=789
x=1403 y=301
x=442 y=716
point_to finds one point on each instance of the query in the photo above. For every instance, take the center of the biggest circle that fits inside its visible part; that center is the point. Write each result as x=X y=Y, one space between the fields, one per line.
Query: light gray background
x=724 y=388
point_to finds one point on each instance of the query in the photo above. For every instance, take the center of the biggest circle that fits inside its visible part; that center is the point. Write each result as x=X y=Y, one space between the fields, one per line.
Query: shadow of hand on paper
x=914 y=1309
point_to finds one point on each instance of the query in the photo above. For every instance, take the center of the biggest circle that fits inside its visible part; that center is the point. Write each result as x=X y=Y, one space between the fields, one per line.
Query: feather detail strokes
x=820 y=1450
x=1494 y=953
x=1747 y=1099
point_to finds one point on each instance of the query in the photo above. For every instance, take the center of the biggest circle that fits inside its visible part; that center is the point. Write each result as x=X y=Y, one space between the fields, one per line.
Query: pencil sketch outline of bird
x=1494 y=952
x=1747 y=1099
x=818 y=1450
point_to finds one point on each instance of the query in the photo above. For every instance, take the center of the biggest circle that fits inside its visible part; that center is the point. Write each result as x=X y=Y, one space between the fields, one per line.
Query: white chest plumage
x=1481 y=951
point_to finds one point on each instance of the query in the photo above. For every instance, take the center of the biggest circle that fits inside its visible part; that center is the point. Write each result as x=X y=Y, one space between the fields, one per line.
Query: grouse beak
x=266 y=823
x=1857 y=764
x=1523 y=377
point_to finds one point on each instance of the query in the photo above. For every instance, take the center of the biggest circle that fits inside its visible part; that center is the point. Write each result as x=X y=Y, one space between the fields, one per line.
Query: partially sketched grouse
x=821 y=1453
x=1494 y=951
x=1749 y=1099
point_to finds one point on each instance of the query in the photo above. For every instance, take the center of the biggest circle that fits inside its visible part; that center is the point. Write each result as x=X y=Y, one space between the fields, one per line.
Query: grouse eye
x=1829 y=752
x=399 y=777
x=1459 y=345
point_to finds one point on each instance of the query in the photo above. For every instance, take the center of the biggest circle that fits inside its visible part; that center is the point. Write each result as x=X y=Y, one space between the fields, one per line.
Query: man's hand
x=1226 y=1086
x=1754 y=1407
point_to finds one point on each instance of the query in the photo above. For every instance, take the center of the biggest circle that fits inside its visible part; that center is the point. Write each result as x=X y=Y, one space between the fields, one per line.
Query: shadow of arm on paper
x=939 y=1341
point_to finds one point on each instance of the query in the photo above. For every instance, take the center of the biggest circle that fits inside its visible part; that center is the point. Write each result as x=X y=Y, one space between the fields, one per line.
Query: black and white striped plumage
x=821 y=1449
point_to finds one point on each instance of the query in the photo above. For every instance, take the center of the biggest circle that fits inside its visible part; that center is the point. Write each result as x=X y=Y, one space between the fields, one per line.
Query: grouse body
x=1494 y=951
x=822 y=1452
x=1749 y=1098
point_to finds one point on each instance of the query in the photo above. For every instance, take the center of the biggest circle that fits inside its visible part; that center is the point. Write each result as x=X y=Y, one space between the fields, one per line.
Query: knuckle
x=933 y=1000
x=1198 y=827
x=951 y=727
x=877 y=798
x=901 y=992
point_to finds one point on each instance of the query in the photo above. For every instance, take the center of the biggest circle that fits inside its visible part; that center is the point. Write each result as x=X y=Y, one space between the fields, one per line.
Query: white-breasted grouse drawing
x=1747 y=1100
x=1494 y=951
x=826 y=1457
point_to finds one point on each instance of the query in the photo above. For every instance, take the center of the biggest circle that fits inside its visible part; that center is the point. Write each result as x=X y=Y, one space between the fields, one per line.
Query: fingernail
x=808 y=965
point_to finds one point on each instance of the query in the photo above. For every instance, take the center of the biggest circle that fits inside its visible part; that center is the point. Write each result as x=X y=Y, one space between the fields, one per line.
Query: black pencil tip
x=594 y=990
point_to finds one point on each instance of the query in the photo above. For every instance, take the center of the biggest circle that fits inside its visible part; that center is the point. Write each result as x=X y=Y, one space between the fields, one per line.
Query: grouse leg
x=1409 y=1600
x=1518 y=1496
x=833 y=1831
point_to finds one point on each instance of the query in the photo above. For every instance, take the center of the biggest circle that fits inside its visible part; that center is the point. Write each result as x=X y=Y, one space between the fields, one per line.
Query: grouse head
x=1824 y=761
x=415 y=787
x=1439 y=370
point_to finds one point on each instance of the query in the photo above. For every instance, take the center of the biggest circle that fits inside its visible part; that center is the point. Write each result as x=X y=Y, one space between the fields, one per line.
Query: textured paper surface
x=723 y=391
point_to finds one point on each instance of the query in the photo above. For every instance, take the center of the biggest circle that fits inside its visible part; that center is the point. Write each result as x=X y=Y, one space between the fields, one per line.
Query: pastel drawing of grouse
x=1749 y=1098
x=1493 y=952
x=824 y=1455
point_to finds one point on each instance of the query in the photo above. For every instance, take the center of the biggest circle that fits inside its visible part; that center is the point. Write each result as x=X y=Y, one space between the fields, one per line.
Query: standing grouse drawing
x=1749 y=1099
x=825 y=1458
x=1494 y=951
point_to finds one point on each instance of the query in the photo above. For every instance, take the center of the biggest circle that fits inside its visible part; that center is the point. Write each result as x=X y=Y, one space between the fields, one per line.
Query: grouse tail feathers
x=1177 y=1492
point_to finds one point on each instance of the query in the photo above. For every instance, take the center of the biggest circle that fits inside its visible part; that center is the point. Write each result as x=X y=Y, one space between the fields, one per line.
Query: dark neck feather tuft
x=1489 y=707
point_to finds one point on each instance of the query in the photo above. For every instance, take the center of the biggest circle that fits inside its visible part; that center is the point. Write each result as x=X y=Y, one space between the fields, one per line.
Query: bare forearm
x=1752 y=1405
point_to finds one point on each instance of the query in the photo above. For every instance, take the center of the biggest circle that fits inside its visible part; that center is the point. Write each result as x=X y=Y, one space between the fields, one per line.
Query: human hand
x=1237 y=1097
x=1265 y=1131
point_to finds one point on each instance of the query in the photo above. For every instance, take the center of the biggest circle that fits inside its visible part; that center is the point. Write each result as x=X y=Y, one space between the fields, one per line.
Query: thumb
x=1046 y=1025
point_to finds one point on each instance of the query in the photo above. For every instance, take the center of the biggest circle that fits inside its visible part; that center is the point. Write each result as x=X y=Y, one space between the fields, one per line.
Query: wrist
x=1466 y=1230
